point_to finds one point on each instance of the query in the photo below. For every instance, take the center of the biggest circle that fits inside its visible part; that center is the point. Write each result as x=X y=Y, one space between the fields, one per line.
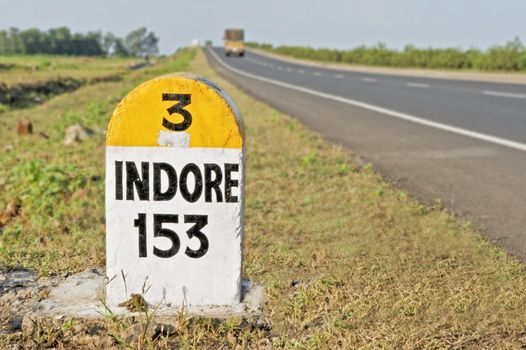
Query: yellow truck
x=233 y=42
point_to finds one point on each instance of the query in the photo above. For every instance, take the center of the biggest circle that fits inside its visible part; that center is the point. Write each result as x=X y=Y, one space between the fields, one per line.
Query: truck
x=233 y=42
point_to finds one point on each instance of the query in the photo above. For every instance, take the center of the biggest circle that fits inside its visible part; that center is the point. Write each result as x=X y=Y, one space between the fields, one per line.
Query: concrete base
x=82 y=296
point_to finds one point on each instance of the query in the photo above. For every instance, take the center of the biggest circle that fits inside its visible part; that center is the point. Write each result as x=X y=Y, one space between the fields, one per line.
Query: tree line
x=61 y=41
x=508 y=57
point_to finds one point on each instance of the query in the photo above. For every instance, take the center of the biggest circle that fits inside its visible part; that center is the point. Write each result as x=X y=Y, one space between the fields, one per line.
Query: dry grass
x=347 y=260
x=41 y=68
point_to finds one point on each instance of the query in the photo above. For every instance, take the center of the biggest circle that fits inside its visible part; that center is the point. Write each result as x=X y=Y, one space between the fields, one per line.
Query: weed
x=310 y=159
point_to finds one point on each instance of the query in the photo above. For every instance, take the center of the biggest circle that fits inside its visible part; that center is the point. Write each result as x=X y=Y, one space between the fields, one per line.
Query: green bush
x=42 y=187
x=510 y=57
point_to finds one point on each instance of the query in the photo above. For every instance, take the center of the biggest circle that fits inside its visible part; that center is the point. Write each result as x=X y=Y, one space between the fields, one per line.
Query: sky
x=318 y=23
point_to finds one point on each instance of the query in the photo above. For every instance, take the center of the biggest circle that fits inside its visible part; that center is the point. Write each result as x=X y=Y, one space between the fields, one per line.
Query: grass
x=41 y=68
x=347 y=260
x=61 y=224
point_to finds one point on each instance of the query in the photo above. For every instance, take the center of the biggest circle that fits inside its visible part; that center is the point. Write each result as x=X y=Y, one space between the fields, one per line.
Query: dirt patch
x=60 y=312
x=29 y=94
x=4 y=66
x=24 y=95
x=20 y=290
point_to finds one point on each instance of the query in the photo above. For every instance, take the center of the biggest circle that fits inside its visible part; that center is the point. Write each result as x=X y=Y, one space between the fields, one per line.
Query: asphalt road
x=463 y=142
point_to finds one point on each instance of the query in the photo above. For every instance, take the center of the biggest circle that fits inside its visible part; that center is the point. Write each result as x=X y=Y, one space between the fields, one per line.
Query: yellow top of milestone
x=177 y=110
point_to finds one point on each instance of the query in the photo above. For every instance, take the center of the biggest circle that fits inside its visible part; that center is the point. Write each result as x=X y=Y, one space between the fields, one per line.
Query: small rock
x=43 y=135
x=165 y=330
x=136 y=303
x=29 y=326
x=13 y=208
x=253 y=324
x=4 y=219
x=25 y=127
x=77 y=134
x=17 y=279
x=96 y=271
x=263 y=325
x=296 y=283
x=132 y=333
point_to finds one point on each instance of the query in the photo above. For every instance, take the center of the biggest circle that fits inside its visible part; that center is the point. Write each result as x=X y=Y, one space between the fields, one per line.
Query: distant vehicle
x=233 y=42
x=208 y=43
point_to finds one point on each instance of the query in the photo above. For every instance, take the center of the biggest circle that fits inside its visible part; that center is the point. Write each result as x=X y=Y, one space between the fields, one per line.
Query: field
x=30 y=80
x=39 y=68
x=347 y=260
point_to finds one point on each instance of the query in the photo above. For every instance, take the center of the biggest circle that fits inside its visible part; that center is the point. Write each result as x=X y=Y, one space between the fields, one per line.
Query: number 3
x=184 y=100
x=200 y=221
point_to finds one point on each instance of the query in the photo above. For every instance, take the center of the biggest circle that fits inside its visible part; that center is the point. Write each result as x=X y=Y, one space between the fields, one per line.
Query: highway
x=463 y=142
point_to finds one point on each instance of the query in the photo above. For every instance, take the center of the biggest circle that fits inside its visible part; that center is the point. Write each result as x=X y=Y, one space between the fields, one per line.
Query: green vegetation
x=30 y=80
x=40 y=68
x=510 y=57
x=347 y=260
x=61 y=222
x=61 y=41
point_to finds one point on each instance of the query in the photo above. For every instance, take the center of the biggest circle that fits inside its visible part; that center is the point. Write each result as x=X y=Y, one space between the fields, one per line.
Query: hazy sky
x=330 y=23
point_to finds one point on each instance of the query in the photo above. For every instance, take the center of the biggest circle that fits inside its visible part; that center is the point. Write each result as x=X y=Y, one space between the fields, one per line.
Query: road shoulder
x=507 y=78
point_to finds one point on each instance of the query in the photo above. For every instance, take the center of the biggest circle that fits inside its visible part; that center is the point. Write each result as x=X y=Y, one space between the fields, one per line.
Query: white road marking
x=318 y=74
x=504 y=94
x=253 y=60
x=370 y=80
x=288 y=69
x=301 y=71
x=271 y=65
x=440 y=126
x=257 y=61
x=280 y=68
x=338 y=76
x=418 y=85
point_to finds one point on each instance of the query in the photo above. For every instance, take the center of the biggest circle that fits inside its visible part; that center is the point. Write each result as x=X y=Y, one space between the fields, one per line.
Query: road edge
x=501 y=78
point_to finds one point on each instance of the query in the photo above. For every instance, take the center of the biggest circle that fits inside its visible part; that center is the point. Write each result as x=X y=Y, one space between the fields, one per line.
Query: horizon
x=342 y=25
